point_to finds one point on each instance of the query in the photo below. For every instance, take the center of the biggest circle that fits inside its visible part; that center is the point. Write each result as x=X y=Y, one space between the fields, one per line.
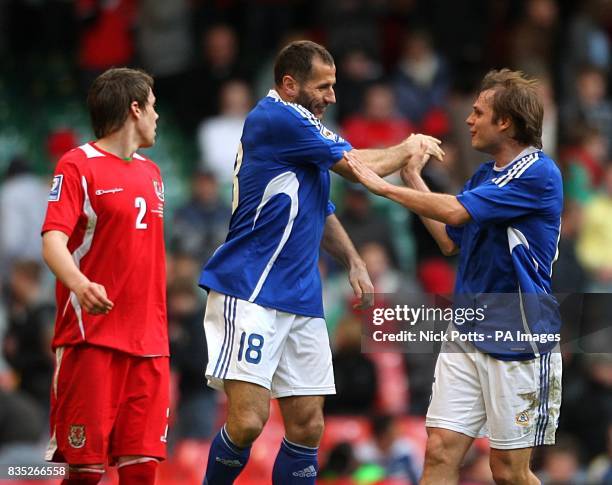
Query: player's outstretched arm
x=440 y=207
x=412 y=178
x=383 y=162
x=92 y=296
x=337 y=243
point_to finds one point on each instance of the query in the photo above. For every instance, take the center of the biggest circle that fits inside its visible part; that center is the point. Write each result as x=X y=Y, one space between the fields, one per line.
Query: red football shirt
x=112 y=211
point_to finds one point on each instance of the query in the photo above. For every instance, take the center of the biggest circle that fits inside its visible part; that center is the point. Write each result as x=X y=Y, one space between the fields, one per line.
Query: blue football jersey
x=279 y=206
x=508 y=249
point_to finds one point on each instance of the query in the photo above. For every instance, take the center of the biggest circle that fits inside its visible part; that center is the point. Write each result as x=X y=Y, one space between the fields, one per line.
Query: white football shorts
x=285 y=353
x=515 y=403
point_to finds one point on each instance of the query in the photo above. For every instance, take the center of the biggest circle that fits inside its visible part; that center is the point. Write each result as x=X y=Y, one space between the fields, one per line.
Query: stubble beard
x=303 y=99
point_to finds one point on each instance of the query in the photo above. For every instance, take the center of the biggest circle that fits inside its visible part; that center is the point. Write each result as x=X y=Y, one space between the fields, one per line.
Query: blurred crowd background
x=403 y=66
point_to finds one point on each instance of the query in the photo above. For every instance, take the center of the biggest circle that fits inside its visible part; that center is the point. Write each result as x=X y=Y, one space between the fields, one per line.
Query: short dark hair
x=111 y=95
x=516 y=98
x=295 y=60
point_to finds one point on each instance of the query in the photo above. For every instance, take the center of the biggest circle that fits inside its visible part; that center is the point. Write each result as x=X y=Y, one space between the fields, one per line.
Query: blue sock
x=225 y=460
x=295 y=465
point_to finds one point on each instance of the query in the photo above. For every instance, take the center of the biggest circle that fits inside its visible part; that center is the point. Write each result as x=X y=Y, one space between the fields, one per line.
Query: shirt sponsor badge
x=56 y=188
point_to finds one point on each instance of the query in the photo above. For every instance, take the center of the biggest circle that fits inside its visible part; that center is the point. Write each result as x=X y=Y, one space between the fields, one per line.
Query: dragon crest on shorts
x=76 y=437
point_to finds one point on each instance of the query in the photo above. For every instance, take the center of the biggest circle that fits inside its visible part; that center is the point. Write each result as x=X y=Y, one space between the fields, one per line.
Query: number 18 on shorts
x=286 y=353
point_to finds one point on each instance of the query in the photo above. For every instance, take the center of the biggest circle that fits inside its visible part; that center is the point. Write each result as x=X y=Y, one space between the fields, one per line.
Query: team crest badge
x=159 y=189
x=76 y=437
x=522 y=418
x=327 y=133
x=56 y=188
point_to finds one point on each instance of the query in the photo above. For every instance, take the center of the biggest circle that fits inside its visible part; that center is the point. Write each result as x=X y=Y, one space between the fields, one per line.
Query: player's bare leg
x=443 y=456
x=512 y=467
x=296 y=461
x=303 y=418
x=248 y=411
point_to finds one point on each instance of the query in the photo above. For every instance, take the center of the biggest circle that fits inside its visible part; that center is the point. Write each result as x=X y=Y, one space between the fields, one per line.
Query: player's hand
x=366 y=175
x=420 y=149
x=362 y=286
x=92 y=297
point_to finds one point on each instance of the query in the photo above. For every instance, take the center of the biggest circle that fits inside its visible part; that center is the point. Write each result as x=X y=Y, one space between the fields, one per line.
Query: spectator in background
x=396 y=455
x=384 y=277
x=587 y=43
x=340 y=465
x=200 y=226
x=361 y=222
x=588 y=413
x=590 y=105
x=196 y=411
x=583 y=164
x=378 y=125
x=349 y=24
x=219 y=136
x=550 y=122
x=534 y=38
x=23 y=201
x=356 y=71
x=569 y=276
x=421 y=83
x=27 y=343
x=561 y=463
x=595 y=239
x=600 y=469
x=106 y=35
x=219 y=63
x=354 y=372
x=165 y=46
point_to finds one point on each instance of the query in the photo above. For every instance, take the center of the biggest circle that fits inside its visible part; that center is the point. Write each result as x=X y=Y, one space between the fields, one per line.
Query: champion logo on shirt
x=109 y=191
x=307 y=472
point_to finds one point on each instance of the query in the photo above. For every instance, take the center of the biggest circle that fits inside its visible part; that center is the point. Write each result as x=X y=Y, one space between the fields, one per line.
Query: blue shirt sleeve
x=330 y=209
x=507 y=196
x=303 y=139
x=455 y=233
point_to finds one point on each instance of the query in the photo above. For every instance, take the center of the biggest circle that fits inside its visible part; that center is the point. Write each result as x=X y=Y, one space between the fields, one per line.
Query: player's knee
x=505 y=473
x=438 y=452
x=243 y=429
x=306 y=431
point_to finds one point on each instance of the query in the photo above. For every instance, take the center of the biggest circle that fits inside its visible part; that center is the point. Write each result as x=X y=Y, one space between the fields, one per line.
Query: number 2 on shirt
x=141 y=204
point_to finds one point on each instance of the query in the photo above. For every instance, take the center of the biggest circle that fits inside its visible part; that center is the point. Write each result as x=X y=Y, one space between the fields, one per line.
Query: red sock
x=82 y=478
x=138 y=473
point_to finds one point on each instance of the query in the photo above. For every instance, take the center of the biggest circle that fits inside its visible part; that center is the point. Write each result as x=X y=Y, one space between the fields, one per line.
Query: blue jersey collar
x=527 y=151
